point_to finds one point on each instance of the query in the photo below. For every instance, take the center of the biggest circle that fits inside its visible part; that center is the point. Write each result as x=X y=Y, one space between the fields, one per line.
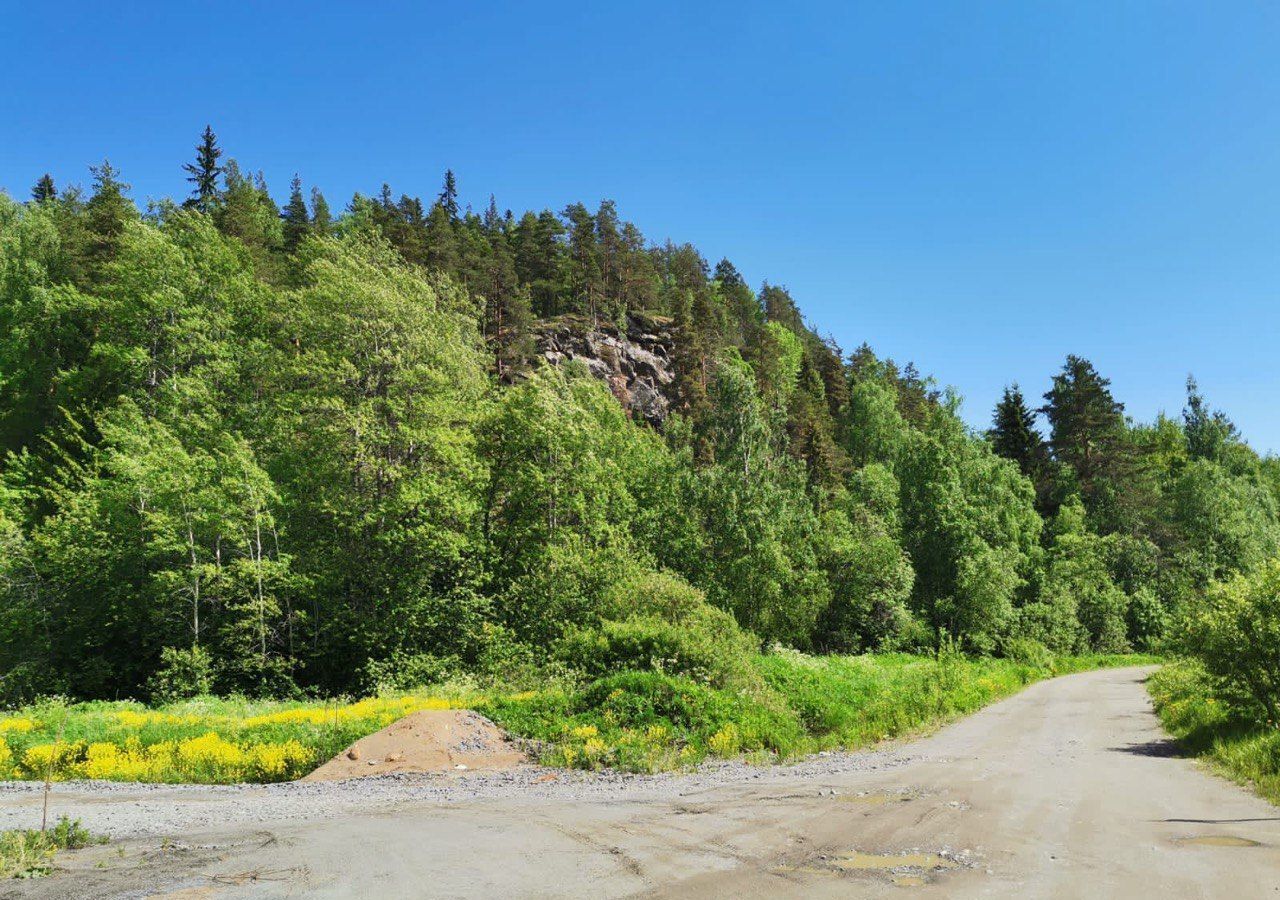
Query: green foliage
x=29 y=853
x=1235 y=634
x=182 y=674
x=657 y=621
x=970 y=525
x=322 y=452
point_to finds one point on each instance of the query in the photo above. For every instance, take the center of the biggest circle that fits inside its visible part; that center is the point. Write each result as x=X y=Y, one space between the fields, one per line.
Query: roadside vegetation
x=29 y=853
x=288 y=453
x=1221 y=701
x=640 y=721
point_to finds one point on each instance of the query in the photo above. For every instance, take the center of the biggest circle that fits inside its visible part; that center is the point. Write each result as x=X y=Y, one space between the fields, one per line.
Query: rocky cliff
x=636 y=363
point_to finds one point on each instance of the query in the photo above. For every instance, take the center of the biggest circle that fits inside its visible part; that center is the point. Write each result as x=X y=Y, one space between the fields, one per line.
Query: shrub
x=1027 y=652
x=182 y=674
x=659 y=622
x=403 y=671
x=1235 y=633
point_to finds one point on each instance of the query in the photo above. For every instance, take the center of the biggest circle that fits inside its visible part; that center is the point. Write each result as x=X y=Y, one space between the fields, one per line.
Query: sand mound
x=434 y=740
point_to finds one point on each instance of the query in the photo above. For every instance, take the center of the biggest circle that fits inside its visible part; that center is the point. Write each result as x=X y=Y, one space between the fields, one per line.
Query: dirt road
x=1068 y=789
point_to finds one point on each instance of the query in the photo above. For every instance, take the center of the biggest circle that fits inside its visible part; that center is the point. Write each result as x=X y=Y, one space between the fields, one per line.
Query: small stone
x=459 y=766
x=353 y=753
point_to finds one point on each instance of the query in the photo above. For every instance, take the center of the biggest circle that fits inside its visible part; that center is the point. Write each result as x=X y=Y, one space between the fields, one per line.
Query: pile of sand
x=434 y=740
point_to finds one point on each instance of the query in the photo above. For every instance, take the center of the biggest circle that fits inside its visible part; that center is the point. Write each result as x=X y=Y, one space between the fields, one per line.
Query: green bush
x=659 y=622
x=405 y=671
x=1235 y=633
x=1028 y=652
x=182 y=674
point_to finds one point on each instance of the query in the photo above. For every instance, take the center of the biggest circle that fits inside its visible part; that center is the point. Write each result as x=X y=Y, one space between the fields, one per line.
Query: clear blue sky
x=980 y=187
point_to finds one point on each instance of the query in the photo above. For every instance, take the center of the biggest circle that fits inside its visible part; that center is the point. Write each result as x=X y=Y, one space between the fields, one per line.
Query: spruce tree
x=44 y=189
x=296 y=223
x=449 y=195
x=1013 y=432
x=106 y=215
x=321 y=218
x=204 y=172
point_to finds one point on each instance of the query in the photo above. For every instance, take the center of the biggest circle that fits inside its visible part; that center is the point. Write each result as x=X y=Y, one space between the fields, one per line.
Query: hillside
x=282 y=451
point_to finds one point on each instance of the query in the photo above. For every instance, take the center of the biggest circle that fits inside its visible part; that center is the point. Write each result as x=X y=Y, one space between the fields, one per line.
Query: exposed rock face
x=636 y=363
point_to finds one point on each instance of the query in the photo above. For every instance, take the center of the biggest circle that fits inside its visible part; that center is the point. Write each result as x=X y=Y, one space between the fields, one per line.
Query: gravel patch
x=127 y=810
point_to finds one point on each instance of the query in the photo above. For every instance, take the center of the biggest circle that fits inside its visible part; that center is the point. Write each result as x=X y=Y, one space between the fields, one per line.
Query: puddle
x=909 y=881
x=865 y=862
x=1218 y=840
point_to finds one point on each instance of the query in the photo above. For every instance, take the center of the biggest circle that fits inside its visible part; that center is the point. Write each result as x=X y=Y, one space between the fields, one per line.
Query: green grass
x=29 y=853
x=1234 y=745
x=636 y=721
x=650 y=722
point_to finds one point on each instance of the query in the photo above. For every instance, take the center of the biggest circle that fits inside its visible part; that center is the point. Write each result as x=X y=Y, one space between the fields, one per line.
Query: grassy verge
x=636 y=720
x=29 y=853
x=648 y=721
x=1235 y=746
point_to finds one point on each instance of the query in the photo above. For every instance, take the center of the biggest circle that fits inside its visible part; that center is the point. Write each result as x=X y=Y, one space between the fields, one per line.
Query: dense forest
x=272 y=450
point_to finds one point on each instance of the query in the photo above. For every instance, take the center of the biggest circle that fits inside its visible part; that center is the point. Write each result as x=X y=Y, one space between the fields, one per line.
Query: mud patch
x=1217 y=840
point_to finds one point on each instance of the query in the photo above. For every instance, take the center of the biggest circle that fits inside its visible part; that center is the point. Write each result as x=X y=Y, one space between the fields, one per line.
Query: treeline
x=269 y=449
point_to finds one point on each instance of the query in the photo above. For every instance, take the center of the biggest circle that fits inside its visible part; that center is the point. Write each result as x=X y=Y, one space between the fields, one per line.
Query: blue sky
x=980 y=187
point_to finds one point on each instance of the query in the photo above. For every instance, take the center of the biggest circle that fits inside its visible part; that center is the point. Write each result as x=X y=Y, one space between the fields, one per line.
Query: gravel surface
x=126 y=810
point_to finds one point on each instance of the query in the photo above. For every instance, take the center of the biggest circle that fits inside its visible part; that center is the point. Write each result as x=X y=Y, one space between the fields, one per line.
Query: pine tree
x=296 y=223
x=44 y=189
x=1013 y=433
x=321 y=218
x=582 y=270
x=204 y=172
x=449 y=195
x=1087 y=425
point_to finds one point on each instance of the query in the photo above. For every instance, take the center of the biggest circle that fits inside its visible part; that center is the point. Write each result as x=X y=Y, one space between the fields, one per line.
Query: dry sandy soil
x=1068 y=789
x=432 y=740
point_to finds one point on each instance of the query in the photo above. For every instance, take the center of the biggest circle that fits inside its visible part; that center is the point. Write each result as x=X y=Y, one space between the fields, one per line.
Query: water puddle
x=909 y=881
x=1218 y=840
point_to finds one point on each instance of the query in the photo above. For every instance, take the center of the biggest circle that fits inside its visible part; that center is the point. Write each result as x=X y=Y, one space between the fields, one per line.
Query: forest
x=289 y=451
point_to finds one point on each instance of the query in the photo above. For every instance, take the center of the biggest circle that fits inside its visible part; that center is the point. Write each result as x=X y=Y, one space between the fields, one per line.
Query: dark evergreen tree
x=449 y=194
x=44 y=189
x=1013 y=433
x=203 y=173
x=296 y=222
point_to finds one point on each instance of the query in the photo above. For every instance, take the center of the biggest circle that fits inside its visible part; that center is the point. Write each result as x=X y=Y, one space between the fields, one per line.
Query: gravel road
x=1068 y=789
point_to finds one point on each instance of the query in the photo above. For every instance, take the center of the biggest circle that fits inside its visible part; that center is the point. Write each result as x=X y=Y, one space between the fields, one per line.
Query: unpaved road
x=1068 y=789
